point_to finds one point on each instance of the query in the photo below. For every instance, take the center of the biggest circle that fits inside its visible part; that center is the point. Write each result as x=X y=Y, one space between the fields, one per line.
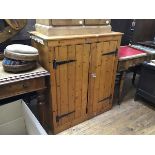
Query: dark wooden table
x=17 y=84
x=128 y=60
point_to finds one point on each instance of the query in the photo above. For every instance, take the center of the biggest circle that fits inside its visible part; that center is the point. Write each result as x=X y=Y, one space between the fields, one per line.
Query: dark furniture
x=146 y=85
x=12 y=85
x=128 y=58
x=135 y=30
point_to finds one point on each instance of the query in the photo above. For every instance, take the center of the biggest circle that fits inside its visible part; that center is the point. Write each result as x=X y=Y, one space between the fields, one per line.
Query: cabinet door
x=101 y=76
x=70 y=67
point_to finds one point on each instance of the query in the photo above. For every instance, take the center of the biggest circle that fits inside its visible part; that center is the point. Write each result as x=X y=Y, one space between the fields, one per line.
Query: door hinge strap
x=64 y=115
x=110 y=53
x=107 y=98
x=56 y=63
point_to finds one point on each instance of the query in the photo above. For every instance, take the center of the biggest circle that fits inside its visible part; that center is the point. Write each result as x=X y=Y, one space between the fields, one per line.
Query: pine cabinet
x=82 y=69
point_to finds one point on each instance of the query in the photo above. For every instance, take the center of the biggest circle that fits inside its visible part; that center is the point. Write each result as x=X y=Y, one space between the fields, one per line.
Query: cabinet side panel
x=43 y=54
x=117 y=44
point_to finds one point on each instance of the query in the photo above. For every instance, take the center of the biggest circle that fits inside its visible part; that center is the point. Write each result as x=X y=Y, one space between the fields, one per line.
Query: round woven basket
x=19 y=68
x=19 y=56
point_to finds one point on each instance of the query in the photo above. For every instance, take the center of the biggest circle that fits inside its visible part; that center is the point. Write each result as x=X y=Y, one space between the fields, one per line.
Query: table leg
x=133 y=78
x=121 y=84
x=42 y=107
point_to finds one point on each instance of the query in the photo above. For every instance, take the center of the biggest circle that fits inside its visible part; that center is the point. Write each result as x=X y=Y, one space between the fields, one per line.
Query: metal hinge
x=110 y=53
x=64 y=115
x=107 y=98
x=56 y=63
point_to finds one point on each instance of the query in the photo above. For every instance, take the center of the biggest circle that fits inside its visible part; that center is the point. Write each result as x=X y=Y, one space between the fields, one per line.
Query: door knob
x=93 y=75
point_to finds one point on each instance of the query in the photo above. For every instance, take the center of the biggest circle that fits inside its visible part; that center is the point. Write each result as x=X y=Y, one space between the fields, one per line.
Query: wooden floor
x=129 y=118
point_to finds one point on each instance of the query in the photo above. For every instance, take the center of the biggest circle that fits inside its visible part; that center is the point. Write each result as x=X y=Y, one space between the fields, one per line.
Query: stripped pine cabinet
x=82 y=77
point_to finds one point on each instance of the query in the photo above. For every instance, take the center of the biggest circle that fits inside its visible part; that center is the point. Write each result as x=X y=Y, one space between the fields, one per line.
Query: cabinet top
x=44 y=37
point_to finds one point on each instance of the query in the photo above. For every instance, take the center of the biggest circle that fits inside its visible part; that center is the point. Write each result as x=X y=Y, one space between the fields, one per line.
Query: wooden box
x=82 y=69
x=72 y=22
x=59 y=27
x=97 y=21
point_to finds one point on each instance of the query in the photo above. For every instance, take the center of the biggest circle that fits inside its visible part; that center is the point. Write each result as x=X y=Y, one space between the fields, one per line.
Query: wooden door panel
x=106 y=76
x=96 y=71
x=71 y=82
x=102 y=65
x=106 y=95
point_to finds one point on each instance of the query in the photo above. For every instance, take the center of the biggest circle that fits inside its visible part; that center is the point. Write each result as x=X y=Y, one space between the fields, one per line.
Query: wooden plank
x=53 y=91
x=71 y=81
x=113 y=45
x=78 y=80
x=108 y=38
x=106 y=47
x=113 y=63
x=97 y=78
x=109 y=71
x=100 y=36
x=114 y=71
x=92 y=69
x=85 y=70
x=58 y=94
x=66 y=42
x=103 y=75
x=103 y=82
x=63 y=83
x=71 y=42
x=106 y=76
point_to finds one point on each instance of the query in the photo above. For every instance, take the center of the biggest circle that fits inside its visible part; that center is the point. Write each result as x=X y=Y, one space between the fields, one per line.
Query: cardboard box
x=17 y=119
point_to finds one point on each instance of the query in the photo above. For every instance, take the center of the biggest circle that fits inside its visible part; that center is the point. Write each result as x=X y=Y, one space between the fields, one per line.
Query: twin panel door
x=84 y=77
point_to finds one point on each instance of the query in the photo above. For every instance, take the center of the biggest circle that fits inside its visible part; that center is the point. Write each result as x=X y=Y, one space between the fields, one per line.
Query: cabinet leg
x=121 y=84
